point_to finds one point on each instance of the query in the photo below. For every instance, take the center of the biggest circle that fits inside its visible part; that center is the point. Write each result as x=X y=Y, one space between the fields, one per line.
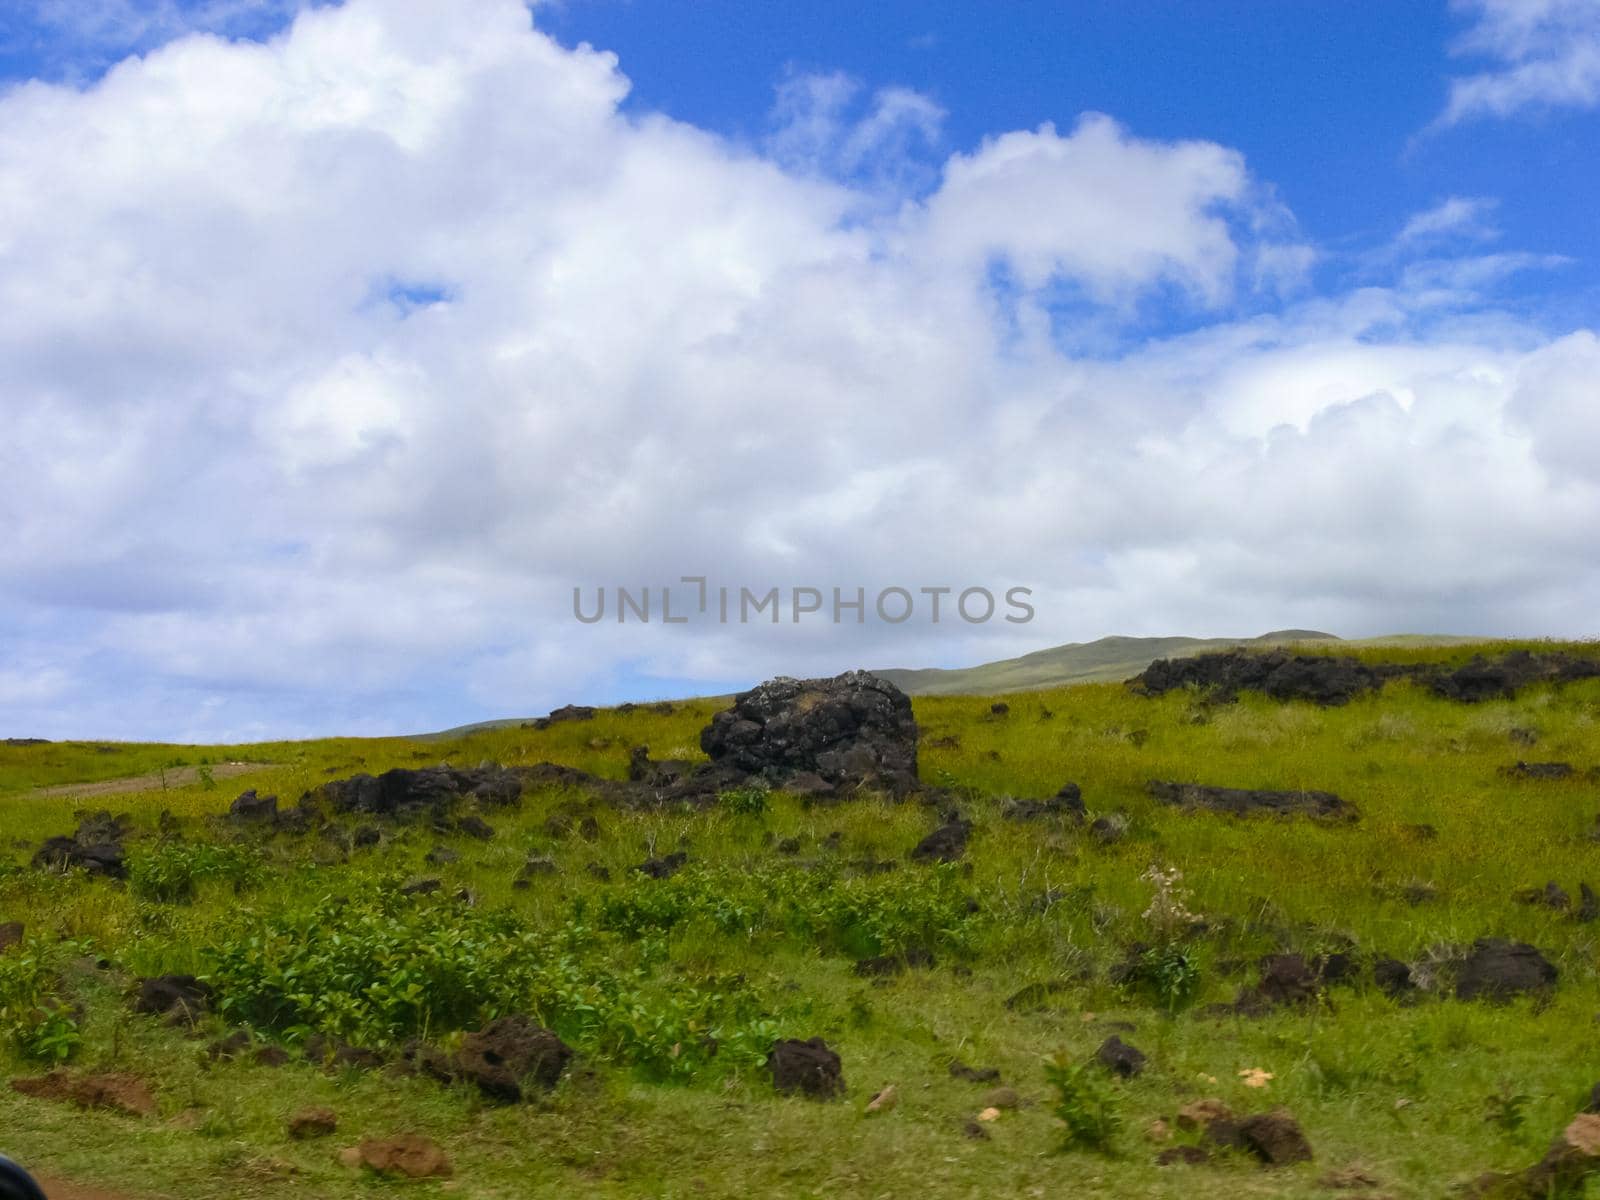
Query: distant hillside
x=1107 y=660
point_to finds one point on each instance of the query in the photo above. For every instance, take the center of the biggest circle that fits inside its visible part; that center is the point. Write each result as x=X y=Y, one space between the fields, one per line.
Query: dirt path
x=171 y=777
x=61 y=1189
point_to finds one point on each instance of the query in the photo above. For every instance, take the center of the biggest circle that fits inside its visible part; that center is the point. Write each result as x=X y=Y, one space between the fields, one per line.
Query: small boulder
x=408 y=1154
x=808 y=1067
x=1119 y=1057
x=945 y=844
x=1498 y=970
x=176 y=997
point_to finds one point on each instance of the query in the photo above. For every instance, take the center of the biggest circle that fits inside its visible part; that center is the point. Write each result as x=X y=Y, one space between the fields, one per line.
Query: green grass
x=1403 y=1091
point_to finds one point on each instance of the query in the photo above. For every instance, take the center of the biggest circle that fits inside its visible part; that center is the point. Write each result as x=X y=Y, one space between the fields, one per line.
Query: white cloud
x=1456 y=217
x=246 y=491
x=1547 y=55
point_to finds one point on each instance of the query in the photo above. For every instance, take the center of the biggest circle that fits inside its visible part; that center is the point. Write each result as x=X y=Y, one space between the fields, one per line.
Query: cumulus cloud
x=1546 y=55
x=333 y=363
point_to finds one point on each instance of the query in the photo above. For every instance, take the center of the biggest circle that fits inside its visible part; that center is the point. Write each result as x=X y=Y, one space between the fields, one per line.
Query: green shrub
x=1083 y=1104
x=1168 y=975
x=381 y=971
x=34 y=1016
x=172 y=871
x=747 y=801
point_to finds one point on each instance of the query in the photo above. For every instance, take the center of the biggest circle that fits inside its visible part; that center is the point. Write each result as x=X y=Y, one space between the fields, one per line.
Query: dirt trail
x=172 y=777
x=61 y=1189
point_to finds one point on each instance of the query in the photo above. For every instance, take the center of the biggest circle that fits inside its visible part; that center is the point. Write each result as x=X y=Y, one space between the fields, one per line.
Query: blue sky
x=348 y=339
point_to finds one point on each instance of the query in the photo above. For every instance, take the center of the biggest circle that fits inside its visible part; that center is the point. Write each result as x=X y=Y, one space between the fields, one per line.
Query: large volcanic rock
x=854 y=730
x=432 y=791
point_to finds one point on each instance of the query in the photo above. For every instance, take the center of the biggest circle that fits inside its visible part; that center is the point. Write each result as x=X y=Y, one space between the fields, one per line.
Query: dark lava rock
x=945 y=844
x=423 y=886
x=1588 y=904
x=441 y=856
x=176 y=997
x=1109 y=829
x=27 y=741
x=11 y=935
x=475 y=827
x=536 y=866
x=1275 y=1138
x=1337 y=967
x=1068 y=802
x=1245 y=801
x=510 y=1052
x=1501 y=678
x=808 y=1067
x=567 y=712
x=1119 y=1057
x=1551 y=895
x=600 y=872
x=1287 y=980
x=789 y=846
x=250 y=808
x=854 y=730
x=1498 y=970
x=664 y=867
x=1322 y=679
x=1393 y=977
x=999 y=710
x=960 y=1070
x=366 y=835
x=1329 y=679
x=229 y=1048
x=431 y=792
x=1539 y=770
x=95 y=847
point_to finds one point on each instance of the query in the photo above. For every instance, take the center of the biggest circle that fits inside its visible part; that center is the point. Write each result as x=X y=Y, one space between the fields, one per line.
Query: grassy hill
x=1046 y=938
x=1110 y=659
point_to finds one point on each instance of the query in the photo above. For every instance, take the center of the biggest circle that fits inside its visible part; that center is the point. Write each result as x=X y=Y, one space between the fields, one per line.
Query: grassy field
x=755 y=939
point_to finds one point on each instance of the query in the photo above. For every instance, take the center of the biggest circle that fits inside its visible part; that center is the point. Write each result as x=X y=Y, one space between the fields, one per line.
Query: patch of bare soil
x=171 y=777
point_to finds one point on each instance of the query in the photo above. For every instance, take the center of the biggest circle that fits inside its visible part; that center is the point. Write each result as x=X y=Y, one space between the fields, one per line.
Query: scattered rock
x=1588 y=905
x=119 y=1092
x=960 y=1070
x=567 y=712
x=945 y=844
x=664 y=867
x=893 y=964
x=249 y=808
x=1004 y=1098
x=408 y=1154
x=1539 y=770
x=1109 y=829
x=1498 y=970
x=11 y=935
x=1333 y=680
x=510 y=1052
x=1552 y=895
x=331 y=1052
x=789 y=846
x=971 y=1128
x=1287 y=981
x=475 y=826
x=179 y=998
x=884 y=1100
x=1248 y=801
x=1393 y=977
x=313 y=1123
x=1000 y=709
x=854 y=730
x=1068 y=802
x=808 y=1067
x=421 y=886
x=96 y=847
x=405 y=794
x=441 y=856
x=1119 y=1057
x=1275 y=1138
